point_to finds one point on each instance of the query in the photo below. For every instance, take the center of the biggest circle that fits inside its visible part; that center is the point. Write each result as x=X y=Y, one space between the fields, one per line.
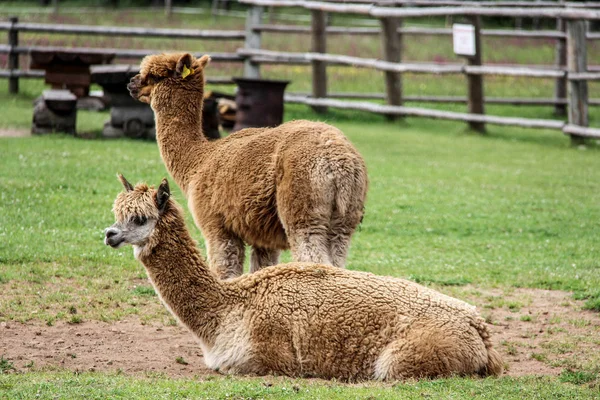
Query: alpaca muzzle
x=134 y=87
x=113 y=238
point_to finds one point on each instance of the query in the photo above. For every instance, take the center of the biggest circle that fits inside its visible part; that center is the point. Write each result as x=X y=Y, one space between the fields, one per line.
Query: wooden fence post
x=391 y=43
x=319 y=68
x=168 y=8
x=577 y=62
x=560 y=85
x=475 y=82
x=13 y=56
x=254 y=18
x=560 y=57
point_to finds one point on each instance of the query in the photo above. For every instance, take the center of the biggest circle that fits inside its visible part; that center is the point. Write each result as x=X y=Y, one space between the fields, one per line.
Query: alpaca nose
x=110 y=237
x=131 y=86
x=110 y=232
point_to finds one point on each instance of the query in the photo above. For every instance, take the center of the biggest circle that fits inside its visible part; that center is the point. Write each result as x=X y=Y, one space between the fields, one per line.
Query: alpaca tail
x=495 y=365
x=350 y=190
x=347 y=201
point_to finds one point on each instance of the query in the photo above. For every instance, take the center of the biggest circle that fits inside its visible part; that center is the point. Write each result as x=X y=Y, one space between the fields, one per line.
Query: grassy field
x=95 y=386
x=447 y=208
x=518 y=207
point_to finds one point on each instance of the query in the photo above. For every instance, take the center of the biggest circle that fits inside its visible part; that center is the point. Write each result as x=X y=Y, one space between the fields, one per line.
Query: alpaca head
x=163 y=77
x=137 y=211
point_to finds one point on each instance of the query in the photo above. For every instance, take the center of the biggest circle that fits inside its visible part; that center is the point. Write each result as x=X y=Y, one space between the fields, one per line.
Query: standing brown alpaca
x=300 y=319
x=301 y=185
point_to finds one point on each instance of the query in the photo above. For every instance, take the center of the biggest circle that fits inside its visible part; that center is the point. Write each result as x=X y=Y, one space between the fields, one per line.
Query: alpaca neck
x=179 y=136
x=183 y=280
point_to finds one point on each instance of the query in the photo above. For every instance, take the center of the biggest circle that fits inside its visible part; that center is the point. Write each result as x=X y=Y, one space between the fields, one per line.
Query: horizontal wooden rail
x=38 y=74
x=7 y=73
x=584 y=76
x=423 y=112
x=268 y=56
x=416 y=3
x=124 y=31
x=534 y=101
x=513 y=71
x=340 y=30
x=448 y=3
x=295 y=58
x=515 y=101
x=124 y=53
x=279 y=57
x=586 y=14
x=381 y=12
x=222 y=80
x=331 y=30
x=581 y=131
x=314 y=5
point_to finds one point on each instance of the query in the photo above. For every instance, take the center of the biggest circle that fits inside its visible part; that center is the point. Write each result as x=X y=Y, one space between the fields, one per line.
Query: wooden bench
x=128 y=117
x=131 y=118
x=55 y=111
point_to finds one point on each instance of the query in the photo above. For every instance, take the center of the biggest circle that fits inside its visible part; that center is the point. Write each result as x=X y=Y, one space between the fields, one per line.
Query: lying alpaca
x=300 y=319
x=301 y=185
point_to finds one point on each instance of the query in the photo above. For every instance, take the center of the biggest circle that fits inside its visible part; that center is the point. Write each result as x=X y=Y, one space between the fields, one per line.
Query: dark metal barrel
x=259 y=103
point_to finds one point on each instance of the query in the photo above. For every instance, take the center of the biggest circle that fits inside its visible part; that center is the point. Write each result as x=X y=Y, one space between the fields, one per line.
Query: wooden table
x=69 y=69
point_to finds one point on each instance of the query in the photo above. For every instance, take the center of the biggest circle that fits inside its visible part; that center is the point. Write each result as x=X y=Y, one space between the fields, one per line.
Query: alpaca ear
x=184 y=66
x=202 y=62
x=128 y=186
x=162 y=195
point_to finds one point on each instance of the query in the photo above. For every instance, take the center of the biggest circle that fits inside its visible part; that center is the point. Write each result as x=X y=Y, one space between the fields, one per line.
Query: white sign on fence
x=463 y=37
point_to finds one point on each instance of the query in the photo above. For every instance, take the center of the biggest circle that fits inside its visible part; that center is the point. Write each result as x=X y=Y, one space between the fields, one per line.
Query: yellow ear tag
x=186 y=71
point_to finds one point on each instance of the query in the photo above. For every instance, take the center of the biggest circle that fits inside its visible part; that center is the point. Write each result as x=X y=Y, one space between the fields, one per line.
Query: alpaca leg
x=339 y=242
x=262 y=257
x=225 y=255
x=429 y=351
x=310 y=245
x=402 y=360
x=341 y=229
x=305 y=215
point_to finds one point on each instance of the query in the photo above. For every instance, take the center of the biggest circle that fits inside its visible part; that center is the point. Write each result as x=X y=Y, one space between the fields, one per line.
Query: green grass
x=593 y=298
x=577 y=377
x=5 y=365
x=101 y=386
x=514 y=208
x=144 y=291
x=446 y=207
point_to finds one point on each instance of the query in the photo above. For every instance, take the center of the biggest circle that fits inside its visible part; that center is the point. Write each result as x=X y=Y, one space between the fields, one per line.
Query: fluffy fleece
x=300 y=319
x=301 y=185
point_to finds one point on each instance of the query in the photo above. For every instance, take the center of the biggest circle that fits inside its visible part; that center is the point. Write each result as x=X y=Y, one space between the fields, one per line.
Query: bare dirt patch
x=126 y=346
x=538 y=332
x=9 y=132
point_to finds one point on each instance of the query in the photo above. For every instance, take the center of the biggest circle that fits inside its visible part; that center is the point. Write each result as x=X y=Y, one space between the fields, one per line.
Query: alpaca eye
x=140 y=220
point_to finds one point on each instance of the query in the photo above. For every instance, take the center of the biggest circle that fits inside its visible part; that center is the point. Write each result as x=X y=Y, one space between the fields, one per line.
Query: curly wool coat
x=301 y=185
x=301 y=319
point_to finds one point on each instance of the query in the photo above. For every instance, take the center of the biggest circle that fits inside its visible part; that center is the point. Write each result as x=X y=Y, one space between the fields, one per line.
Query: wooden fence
x=570 y=71
x=14 y=49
